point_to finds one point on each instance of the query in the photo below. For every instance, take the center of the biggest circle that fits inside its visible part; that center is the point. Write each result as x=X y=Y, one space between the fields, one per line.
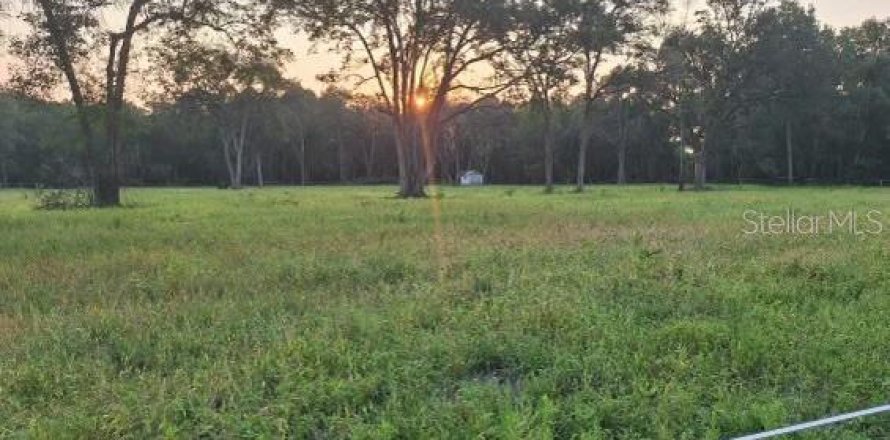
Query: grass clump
x=63 y=199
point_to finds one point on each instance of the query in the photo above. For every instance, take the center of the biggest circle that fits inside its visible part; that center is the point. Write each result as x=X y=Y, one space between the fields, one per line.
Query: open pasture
x=497 y=312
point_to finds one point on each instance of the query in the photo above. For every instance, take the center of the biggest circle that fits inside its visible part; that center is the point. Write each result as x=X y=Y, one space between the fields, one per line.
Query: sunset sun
x=421 y=101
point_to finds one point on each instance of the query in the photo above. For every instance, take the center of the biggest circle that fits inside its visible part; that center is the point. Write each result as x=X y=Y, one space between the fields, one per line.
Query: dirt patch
x=10 y=328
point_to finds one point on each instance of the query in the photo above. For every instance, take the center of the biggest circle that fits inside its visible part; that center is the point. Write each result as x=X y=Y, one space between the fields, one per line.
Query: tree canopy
x=544 y=92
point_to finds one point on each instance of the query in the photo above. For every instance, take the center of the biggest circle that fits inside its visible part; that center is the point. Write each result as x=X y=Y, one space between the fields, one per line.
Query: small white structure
x=472 y=178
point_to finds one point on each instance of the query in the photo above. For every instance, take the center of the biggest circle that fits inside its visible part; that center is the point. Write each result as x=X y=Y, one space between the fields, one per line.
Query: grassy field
x=498 y=312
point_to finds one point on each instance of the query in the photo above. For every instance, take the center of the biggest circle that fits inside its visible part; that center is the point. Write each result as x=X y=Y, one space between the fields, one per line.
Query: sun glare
x=420 y=101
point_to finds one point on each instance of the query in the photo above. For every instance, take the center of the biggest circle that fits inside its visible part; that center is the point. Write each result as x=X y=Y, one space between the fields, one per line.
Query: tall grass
x=494 y=312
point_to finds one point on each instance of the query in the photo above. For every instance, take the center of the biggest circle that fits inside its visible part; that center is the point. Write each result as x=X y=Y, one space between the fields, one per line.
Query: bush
x=63 y=199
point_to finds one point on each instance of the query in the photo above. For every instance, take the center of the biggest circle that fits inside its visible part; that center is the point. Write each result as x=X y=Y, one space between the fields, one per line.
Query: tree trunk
x=239 y=165
x=108 y=191
x=548 y=151
x=303 y=167
x=239 y=141
x=302 y=152
x=227 y=155
x=411 y=182
x=429 y=143
x=622 y=144
x=583 y=145
x=681 y=173
x=789 y=150
x=259 y=170
x=412 y=185
x=233 y=150
x=457 y=166
x=734 y=164
x=401 y=139
x=701 y=176
x=415 y=187
x=591 y=63
x=699 y=171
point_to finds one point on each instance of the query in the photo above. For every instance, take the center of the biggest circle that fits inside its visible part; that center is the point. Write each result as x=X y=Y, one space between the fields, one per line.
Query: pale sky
x=308 y=63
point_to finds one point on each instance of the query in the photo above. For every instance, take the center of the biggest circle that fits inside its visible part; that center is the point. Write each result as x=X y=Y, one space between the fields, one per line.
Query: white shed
x=472 y=178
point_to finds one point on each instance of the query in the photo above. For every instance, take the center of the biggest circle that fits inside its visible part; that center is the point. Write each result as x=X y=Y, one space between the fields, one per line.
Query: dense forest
x=747 y=90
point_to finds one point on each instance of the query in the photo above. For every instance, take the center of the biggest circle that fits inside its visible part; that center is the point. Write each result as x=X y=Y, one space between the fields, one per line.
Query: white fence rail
x=817 y=423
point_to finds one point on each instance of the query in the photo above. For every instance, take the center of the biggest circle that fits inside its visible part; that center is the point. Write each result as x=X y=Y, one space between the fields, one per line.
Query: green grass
x=498 y=312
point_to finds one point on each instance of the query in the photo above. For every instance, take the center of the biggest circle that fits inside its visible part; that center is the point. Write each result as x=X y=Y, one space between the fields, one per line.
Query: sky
x=838 y=13
x=310 y=62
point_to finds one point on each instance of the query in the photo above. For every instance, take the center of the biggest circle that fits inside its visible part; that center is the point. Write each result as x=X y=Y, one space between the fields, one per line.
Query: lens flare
x=421 y=101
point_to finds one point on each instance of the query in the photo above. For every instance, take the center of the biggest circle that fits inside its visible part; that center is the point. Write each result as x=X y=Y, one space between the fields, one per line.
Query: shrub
x=63 y=199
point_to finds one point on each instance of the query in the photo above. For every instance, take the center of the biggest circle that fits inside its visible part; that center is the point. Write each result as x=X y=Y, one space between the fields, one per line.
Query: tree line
x=525 y=91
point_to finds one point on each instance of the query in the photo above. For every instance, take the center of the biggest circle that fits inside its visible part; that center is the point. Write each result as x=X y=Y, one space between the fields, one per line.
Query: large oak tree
x=69 y=39
x=416 y=54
